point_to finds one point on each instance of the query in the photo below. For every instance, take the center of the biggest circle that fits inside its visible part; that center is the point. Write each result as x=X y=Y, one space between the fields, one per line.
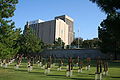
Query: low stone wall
x=82 y=53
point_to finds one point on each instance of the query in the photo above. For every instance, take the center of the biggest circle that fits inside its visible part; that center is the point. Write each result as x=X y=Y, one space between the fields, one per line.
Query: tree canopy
x=77 y=42
x=109 y=28
x=29 y=42
x=108 y=6
x=8 y=33
x=59 y=43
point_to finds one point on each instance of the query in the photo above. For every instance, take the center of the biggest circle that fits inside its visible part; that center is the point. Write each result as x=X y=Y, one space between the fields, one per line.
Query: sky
x=87 y=16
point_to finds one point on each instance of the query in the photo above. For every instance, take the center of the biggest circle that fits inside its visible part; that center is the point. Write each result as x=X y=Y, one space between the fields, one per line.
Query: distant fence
x=82 y=53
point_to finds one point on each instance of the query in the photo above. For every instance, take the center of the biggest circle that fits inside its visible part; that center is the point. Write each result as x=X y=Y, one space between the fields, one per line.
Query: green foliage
x=108 y=6
x=59 y=43
x=109 y=34
x=77 y=41
x=110 y=27
x=7 y=8
x=93 y=43
x=8 y=35
x=29 y=42
x=87 y=44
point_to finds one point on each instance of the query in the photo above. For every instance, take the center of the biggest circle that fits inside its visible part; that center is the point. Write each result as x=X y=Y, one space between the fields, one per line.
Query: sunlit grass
x=38 y=74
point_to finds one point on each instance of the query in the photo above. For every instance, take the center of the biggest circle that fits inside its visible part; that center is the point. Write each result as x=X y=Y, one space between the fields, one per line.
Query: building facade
x=49 y=31
x=69 y=21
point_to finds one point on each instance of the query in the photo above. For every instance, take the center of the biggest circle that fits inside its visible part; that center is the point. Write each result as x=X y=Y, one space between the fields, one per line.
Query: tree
x=92 y=43
x=29 y=43
x=8 y=33
x=109 y=29
x=87 y=44
x=59 y=43
x=108 y=6
x=109 y=35
x=96 y=42
x=77 y=41
x=106 y=41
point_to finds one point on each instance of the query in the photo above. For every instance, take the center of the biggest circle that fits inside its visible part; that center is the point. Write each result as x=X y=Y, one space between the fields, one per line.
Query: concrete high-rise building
x=68 y=21
x=49 y=31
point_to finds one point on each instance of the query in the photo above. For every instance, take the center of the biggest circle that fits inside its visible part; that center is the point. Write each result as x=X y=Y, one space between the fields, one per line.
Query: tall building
x=49 y=31
x=69 y=22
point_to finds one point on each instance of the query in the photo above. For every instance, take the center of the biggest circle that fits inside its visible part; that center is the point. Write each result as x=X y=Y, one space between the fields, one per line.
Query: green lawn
x=38 y=74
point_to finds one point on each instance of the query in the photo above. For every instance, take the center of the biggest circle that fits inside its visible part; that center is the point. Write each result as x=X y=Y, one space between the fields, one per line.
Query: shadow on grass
x=37 y=68
x=8 y=68
x=115 y=77
x=64 y=68
x=21 y=70
x=91 y=74
x=54 y=70
x=114 y=64
x=81 y=79
x=55 y=75
x=38 y=73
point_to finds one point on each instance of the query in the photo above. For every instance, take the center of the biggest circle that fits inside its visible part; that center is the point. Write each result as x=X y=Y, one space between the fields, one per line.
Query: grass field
x=38 y=74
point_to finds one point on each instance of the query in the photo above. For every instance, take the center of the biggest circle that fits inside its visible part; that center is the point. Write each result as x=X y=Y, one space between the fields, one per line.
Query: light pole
x=78 y=38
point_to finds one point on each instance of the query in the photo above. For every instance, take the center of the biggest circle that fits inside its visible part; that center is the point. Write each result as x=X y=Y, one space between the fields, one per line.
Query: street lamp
x=78 y=38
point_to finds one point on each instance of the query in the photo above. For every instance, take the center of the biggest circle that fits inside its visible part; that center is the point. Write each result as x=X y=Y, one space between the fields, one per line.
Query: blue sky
x=87 y=16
